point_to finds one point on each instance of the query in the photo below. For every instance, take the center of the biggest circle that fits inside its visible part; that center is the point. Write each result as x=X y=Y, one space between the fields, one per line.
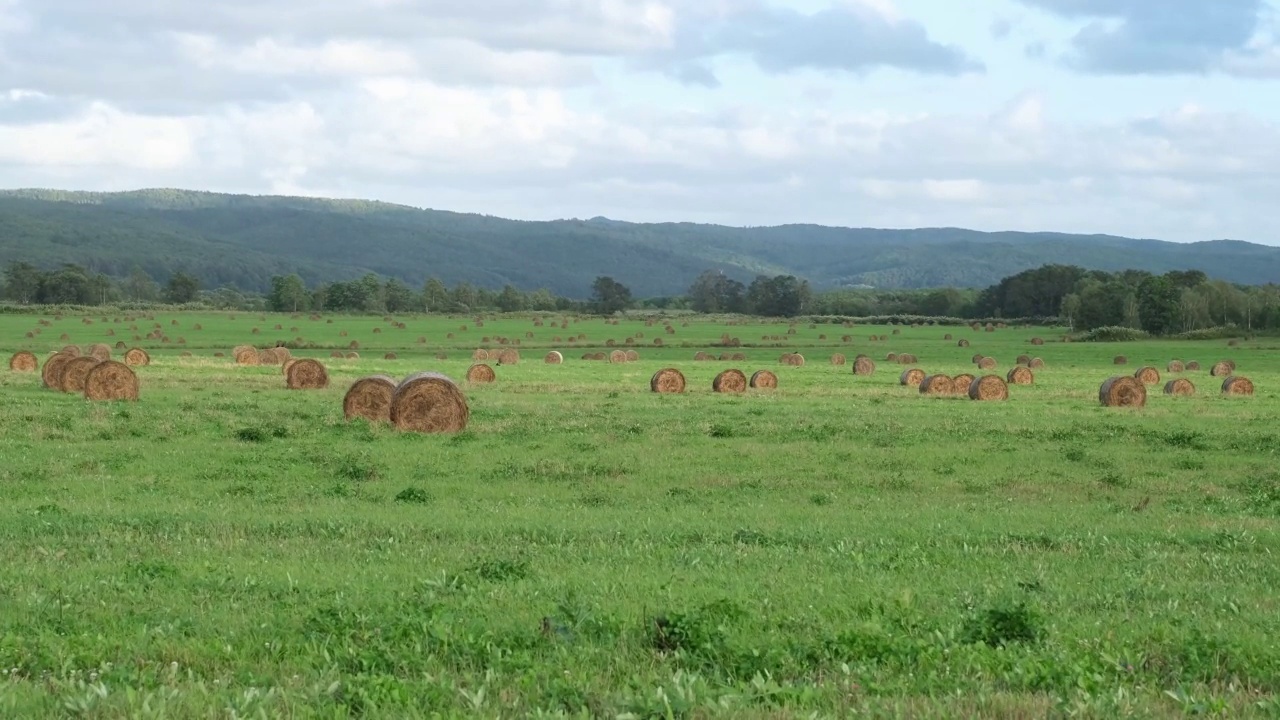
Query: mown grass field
x=839 y=547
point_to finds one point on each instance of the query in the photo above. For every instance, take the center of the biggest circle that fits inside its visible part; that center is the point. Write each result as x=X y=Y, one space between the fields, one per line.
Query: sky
x=1146 y=118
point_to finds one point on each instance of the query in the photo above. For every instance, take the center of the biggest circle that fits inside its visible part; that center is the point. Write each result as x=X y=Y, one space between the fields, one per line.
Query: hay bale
x=617 y=356
x=429 y=402
x=937 y=385
x=632 y=356
x=71 y=350
x=976 y=358
x=369 y=398
x=1123 y=391
x=988 y=388
x=390 y=356
x=837 y=359
x=701 y=356
x=509 y=356
x=1037 y=341
x=987 y=363
x=1193 y=365
x=137 y=356
x=1023 y=360
x=100 y=351
x=1179 y=386
x=1119 y=360
x=730 y=381
x=763 y=380
x=599 y=356
x=1036 y=364
x=891 y=357
x=1237 y=385
x=1020 y=375
x=284 y=368
x=71 y=378
x=109 y=380
x=120 y=345
x=481 y=373
x=667 y=380
x=351 y=356
x=947 y=336
x=553 y=358
x=961 y=383
x=1176 y=366
x=912 y=377
x=962 y=343
x=307 y=374
x=248 y=357
x=1148 y=375
x=23 y=361
x=1222 y=369
x=863 y=365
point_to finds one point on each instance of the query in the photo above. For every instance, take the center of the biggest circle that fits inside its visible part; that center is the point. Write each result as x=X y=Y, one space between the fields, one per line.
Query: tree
x=69 y=285
x=397 y=296
x=371 y=294
x=609 y=296
x=22 y=282
x=779 y=296
x=1158 y=305
x=288 y=294
x=463 y=296
x=435 y=296
x=1071 y=309
x=182 y=288
x=139 y=287
x=510 y=299
x=714 y=292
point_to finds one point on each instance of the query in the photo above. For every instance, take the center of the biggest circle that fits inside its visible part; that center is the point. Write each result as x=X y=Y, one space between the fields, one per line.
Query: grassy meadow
x=839 y=547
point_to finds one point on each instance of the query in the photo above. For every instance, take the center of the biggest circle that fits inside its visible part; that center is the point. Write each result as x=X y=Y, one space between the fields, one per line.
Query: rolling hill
x=243 y=240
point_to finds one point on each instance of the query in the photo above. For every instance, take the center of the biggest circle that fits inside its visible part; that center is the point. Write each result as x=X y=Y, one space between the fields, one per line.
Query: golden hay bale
x=763 y=380
x=701 y=356
x=1020 y=375
x=268 y=357
x=863 y=365
x=480 y=355
x=891 y=357
x=100 y=351
x=908 y=359
x=71 y=350
x=428 y=402
x=911 y=377
x=730 y=381
x=1123 y=391
x=667 y=380
x=509 y=356
x=1179 y=386
x=1036 y=364
x=247 y=356
x=481 y=373
x=1023 y=360
x=553 y=358
x=617 y=356
x=369 y=398
x=988 y=388
x=71 y=378
x=1175 y=366
x=284 y=368
x=137 y=356
x=632 y=356
x=307 y=374
x=23 y=361
x=351 y=356
x=282 y=353
x=1237 y=385
x=110 y=380
x=1193 y=365
x=1120 y=360
x=1148 y=375
x=987 y=363
x=837 y=359
x=795 y=360
x=937 y=385
x=961 y=383
x=1222 y=369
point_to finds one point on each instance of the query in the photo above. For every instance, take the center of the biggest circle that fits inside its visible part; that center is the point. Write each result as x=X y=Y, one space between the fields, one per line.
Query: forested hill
x=243 y=240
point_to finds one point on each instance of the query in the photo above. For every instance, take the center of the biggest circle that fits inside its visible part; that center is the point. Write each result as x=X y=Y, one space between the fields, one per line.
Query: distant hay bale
x=23 y=361
x=71 y=350
x=390 y=356
x=864 y=366
x=1237 y=385
x=1037 y=341
x=599 y=356
x=553 y=358
x=282 y=353
x=1123 y=391
x=247 y=356
x=429 y=402
x=987 y=363
x=353 y=345
x=1193 y=365
x=908 y=359
x=947 y=336
x=963 y=343
x=763 y=380
x=1233 y=343
x=937 y=385
x=1175 y=366
x=109 y=380
x=657 y=342
x=307 y=374
x=137 y=356
x=988 y=388
x=701 y=356
x=268 y=357
x=976 y=358
x=100 y=351
x=667 y=380
x=1120 y=360
x=509 y=356
x=730 y=381
x=480 y=355
x=351 y=356
x=632 y=356
x=369 y=398
x=1148 y=375
x=1222 y=368
x=1020 y=375
x=1023 y=360
x=120 y=345
x=71 y=378
x=911 y=377
x=336 y=354
x=1036 y=364
x=617 y=356
x=1179 y=386
x=891 y=357
x=961 y=383
x=837 y=359
x=481 y=373
x=897 y=331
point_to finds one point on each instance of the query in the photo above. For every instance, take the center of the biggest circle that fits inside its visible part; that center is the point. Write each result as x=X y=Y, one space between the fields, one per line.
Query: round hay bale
x=307 y=374
x=1037 y=341
x=1148 y=375
x=391 y=356
x=897 y=332
x=1193 y=365
x=837 y=359
x=701 y=356
x=553 y=358
x=248 y=357
x=863 y=365
x=1123 y=391
x=617 y=356
x=268 y=357
x=71 y=378
x=282 y=353
x=976 y=358
x=891 y=357
x=1023 y=360
x=961 y=383
x=23 y=361
x=912 y=377
x=352 y=356
x=796 y=360
x=1036 y=364
x=1175 y=366
x=71 y=350
x=962 y=343
x=1222 y=369
x=1179 y=386
x=353 y=345
x=509 y=356
x=369 y=398
x=1237 y=385
x=763 y=380
x=730 y=381
x=336 y=355
x=1119 y=360
x=947 y=336
x=481 y=373
x=632 y=356
x=667 y=380
x=480 y=355
x=599 y=356
x=284 y=368
x=120 y=345
x=988 y=388
x=1020 y=375
x=51 y=373
x=137 y=356
x=428 y=402
x=100 y=351
x=908 y=359
x=987 y=363
x=109 y=380
x=937 y=385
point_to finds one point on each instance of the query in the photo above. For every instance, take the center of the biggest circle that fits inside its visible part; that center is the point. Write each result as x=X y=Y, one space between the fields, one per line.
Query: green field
x=839 y=547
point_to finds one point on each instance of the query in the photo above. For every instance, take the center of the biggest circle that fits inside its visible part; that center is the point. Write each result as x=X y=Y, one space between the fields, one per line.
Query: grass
x=842 y=546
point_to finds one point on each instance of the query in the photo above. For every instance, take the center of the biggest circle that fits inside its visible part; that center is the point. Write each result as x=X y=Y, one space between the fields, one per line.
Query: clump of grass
x=501 y=569
x=1004 y=623
x=414 y=495
x=357 y=467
